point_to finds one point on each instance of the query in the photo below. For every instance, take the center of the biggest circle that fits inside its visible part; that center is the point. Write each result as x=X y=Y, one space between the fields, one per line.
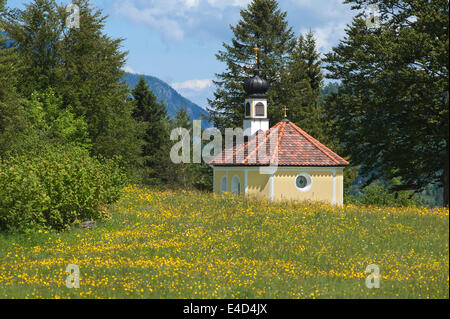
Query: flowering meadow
x=182 y=244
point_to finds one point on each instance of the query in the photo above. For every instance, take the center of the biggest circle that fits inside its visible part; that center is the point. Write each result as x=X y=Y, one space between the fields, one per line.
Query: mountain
x=169 y=96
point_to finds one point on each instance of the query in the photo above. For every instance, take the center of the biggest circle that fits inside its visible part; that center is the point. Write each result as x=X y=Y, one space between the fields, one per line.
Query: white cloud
x=228 y=3
x=129 y=69
x=191 y=3
x=331 y=18
x=153 y=17
x=327 y=35
x=196 y=85
x=322 y=8
x=174 y=18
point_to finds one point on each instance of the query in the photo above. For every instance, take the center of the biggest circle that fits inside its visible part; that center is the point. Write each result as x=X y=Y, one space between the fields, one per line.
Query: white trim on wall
x=271 y=187
x=308 y=179
x=280 y=169
x=245 y=181
x=334 y=187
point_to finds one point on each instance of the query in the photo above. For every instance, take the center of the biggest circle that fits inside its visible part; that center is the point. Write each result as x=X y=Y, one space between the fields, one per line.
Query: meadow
x=167 y=244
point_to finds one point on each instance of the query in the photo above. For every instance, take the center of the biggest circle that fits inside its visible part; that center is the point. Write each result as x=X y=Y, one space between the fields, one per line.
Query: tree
x=51 y=124
x=93 y=63
x=264 y=25
x=302 y=83
x=391 y=110
x=84 y=67
x=153 y=116
x=179 y=173
x=12 y=114
x=37 y=31
x=197 y=175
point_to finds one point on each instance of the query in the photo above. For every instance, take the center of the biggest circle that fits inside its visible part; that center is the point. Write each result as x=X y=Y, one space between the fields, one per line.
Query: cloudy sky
x=176 y=40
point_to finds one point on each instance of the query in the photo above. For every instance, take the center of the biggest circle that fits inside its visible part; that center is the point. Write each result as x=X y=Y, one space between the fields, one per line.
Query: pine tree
x=84 y=67
x=153 y=116
x=12 y=114
x=37 y=31
x=179 y=173
x=182 y=119
x=263 y=25
x=391 y=109
x=93 y=86
x=302 y=84
x=197 y=175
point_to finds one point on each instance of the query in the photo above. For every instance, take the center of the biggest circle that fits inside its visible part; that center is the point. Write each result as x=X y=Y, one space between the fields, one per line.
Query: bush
x=56 y=187
x=378 y=194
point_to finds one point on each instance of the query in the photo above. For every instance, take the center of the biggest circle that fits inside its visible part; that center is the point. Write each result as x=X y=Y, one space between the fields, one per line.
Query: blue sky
x=176 y=40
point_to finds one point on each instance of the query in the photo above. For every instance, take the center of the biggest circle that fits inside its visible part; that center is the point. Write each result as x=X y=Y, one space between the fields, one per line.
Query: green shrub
x=54 y=188
x=378 y=194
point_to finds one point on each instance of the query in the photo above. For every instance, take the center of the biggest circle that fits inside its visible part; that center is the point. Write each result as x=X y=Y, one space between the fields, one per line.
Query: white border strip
x=334 y=187
x=281 y=169
x=246 y=182
x=271 y=188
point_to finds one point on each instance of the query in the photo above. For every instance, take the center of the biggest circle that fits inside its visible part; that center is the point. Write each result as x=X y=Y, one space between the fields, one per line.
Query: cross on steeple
x=285 y=111
x=256 y=49
x=255 y=104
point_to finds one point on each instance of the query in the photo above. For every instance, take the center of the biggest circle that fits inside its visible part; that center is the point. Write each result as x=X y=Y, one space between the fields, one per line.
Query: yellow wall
x=258 y=185
x=321 y=190
x=218 y=179
x=340 y=187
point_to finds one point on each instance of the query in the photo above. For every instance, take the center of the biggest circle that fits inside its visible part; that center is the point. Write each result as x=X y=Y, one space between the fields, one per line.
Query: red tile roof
x=291 y=147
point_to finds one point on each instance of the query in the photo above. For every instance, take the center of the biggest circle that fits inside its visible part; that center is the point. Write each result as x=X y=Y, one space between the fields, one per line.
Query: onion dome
x=256 y=86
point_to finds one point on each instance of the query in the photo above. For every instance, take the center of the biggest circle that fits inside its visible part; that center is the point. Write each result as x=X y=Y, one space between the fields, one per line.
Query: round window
x=303 y=182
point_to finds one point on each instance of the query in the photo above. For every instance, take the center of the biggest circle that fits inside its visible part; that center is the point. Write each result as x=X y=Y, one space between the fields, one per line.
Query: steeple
x=256 y=86
x=255 y=105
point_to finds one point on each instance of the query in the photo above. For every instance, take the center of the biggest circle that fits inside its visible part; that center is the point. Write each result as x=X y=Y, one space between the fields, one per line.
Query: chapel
x=281 y=162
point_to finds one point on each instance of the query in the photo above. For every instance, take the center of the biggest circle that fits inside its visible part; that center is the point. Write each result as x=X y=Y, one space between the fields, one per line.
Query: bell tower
x=255 y=105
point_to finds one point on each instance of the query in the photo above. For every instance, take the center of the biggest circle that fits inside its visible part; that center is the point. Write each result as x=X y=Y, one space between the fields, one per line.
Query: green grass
x=192 y=245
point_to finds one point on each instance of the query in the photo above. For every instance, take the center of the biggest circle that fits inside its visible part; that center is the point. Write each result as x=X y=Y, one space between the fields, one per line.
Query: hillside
x=169 y=96
x=168 y=244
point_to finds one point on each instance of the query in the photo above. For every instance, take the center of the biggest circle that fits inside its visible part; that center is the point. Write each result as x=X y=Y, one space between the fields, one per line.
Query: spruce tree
x=12 y=114
x=391 y=110
x=302 y=84
x=84 y=67
x=179 y=173
x=92 y=65
x=153 y=116
x=37 y=30
x=263 y=25
x=197 y=175
x=182 y=119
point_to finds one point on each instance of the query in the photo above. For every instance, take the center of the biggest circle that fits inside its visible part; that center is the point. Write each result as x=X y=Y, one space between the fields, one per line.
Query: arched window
x=247 y=109
x=223 y=184
x=259 y=109
x=236 y=185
